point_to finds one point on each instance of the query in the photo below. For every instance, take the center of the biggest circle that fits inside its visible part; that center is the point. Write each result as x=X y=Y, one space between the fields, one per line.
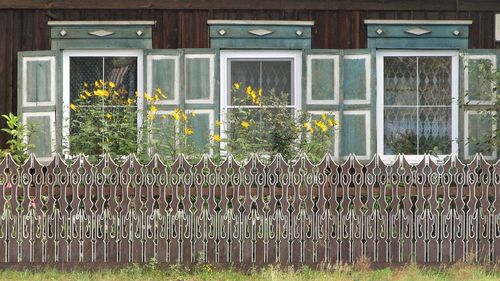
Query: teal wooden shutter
x=163 y=71
x=342 y=82
x=478 y=103
x=201 y=92
x=322 y=85
x=189 y=78
x=357 y=132
x=38 y=100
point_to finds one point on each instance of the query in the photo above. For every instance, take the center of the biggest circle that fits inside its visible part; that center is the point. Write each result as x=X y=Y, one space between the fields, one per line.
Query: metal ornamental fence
x=249 y=214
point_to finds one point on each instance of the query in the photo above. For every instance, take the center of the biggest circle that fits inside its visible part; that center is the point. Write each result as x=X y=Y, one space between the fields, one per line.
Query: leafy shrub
x=267 y=125
x=104 y=120
x=18 y=146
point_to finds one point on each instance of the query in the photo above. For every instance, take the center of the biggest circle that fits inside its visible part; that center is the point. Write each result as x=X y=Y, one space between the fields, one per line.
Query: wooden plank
x=197 y=78
x=354 y=81
x=418 y=43
x=164 y=77
x=329 y=190
x=85 y=32
x=353 y=134
x=261 y=43
x=244 y=31
x=435 y=31
x=427 y=5
x=5 y=95
x=322 y=75
x=41 y=137
x=101 y=44
x=200 y=124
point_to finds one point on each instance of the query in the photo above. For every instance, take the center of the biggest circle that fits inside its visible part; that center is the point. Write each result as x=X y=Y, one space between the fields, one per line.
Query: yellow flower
x=193 y=113
x=101 y=93
x=249 y=90
x=216 y=138
x=163 y=116
x=73 y=107
x=108 y=115
x=85 y=84
x=87 y=93
x=112 y=85
x=102 y=82
x=188 y=131
x=176 y=114
x=184 y=116
x=130 y=101
x=218 y=123
x=306 y=125
x=332 y=123
x=83 y=97
x=260 y=92
x=321 y=125
x=153 y=109
x=96 y=83
x=151 y=116
x=237 y=86
x=160 y=93
x=245 y=124
x=323 y=116
x=148 y=97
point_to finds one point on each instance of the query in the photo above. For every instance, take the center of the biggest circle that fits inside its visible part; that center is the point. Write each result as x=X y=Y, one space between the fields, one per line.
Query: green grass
x=462 y=272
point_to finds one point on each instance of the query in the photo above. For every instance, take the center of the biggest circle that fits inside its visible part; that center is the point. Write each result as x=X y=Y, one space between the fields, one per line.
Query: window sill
x=417 y=159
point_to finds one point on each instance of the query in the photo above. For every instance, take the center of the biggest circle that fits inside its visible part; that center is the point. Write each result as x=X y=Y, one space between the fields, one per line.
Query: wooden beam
x=364 y=5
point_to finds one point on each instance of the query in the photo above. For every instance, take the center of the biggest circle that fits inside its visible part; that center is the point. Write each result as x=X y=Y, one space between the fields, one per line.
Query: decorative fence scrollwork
x=250 y=213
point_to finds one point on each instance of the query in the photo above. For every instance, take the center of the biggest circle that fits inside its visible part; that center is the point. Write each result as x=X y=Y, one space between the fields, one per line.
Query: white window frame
x=226 y=56
x=138 y=53
x=381 y=54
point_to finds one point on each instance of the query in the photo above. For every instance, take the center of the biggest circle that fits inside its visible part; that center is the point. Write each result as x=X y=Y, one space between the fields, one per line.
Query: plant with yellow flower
x=318 y=134
x=263 y=123
x=103 y=119
x=169 y=132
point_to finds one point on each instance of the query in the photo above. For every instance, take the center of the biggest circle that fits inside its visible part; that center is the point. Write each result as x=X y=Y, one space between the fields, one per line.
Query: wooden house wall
x=25 y=29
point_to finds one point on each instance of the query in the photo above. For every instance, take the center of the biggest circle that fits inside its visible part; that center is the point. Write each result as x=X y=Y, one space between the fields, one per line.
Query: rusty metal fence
x=249 y=214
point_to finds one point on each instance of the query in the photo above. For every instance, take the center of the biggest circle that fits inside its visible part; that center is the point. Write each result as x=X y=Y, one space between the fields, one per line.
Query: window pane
x=400 y=81
x=277 y=77
x=435 y=130
x=84 y=70
x=417 y=105
x=123 y=72
x=120 y=70
x=271 y=76
x=434 y=76
x=248 y=74
x=102 y=118
x=263 y=128
x=400 y=130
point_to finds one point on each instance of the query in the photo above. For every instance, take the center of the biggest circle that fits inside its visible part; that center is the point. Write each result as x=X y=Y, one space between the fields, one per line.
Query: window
x=277 y=72
x=122 y=67
x=417 y=106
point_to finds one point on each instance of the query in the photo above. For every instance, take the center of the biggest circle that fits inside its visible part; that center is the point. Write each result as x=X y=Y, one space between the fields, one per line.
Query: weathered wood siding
x=25 y=29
